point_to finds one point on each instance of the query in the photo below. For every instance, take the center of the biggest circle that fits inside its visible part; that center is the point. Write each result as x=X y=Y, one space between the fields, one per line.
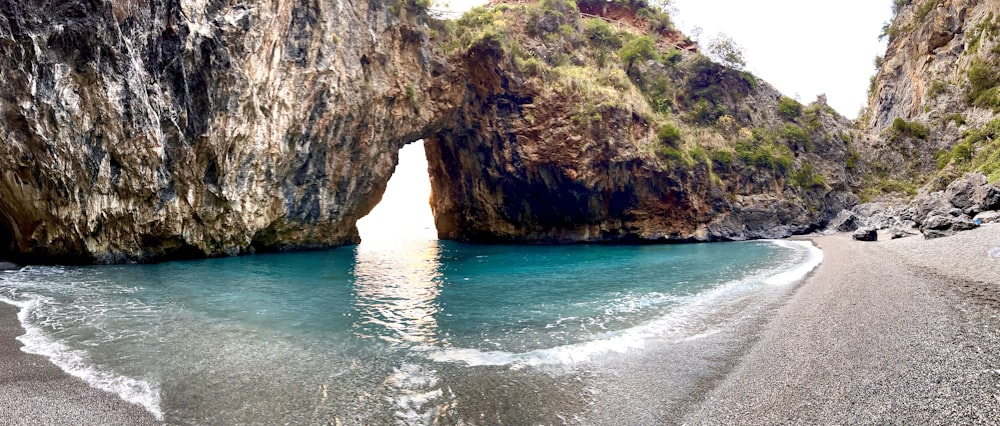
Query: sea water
x=393 y=332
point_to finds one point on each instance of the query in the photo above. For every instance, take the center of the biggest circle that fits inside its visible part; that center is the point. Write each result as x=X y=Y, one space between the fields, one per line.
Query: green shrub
x=660 y=93
x=723 y=160
x=798 y=136
x=983 y=80
x=942 y=158
x=958 y=118
x=749 y=79
x=706 y=113
x=549 y=15
x=853 y=157
x=807 y=177
x=672 y=57
x=962 y=152
x=601 y=34
x=769 y=156
x=671 y=153
x=925 y=8
x=937 y=87
x=789 y=108
x=669 y=135
x=641 y=48
x=660 y=22
x=912 y=129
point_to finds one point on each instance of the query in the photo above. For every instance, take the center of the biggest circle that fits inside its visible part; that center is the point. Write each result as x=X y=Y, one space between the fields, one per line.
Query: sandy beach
x=33 y=391
x=893 y=332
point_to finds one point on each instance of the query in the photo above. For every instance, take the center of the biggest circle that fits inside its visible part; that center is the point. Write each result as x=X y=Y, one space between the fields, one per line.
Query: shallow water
x=410 y=332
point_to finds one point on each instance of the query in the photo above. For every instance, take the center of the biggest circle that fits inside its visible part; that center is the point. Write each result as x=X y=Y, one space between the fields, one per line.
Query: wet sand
x=33 y=391
x=891 y=332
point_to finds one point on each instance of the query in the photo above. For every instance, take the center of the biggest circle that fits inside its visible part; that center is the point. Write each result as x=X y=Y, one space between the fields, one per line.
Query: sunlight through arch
x=405 y=211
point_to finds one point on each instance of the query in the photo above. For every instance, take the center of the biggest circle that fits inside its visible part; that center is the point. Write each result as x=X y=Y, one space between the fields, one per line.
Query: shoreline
x=896 y=331
x=900 y=331
x=35 y=391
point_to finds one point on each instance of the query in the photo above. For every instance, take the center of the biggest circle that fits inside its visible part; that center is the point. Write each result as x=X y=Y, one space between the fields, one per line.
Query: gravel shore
x=33 y=391
x=892 y=332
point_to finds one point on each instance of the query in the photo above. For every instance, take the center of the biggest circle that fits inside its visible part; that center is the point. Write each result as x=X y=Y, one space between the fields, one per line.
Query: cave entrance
x=405 y=210
x=6 y=237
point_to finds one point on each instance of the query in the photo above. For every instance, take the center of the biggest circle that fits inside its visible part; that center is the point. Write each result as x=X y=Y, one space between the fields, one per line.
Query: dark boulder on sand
x=866 y=234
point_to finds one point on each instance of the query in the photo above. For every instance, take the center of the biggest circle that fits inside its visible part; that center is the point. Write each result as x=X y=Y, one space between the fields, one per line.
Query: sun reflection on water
x=397 y=286
x=397 y=271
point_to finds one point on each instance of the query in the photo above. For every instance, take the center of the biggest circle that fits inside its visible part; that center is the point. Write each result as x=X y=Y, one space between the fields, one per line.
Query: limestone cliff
x=563 y=138
x=932 y=106
x=137 y=130
x=145 y=130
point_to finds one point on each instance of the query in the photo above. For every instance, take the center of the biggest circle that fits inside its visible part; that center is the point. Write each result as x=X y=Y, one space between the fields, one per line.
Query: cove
x=415 y=332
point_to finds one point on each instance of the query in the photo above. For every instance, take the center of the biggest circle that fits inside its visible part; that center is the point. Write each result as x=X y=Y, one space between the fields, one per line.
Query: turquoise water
x=411 y=332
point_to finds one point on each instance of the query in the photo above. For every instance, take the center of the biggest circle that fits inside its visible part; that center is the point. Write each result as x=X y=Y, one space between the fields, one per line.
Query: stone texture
x=992 y=216
x=846 y=221
x=144 y=130
x=141 y=131
x=865 y=234
x=517 y=168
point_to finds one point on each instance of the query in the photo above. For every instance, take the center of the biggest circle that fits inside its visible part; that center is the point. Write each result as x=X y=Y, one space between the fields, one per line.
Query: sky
x=802 y=47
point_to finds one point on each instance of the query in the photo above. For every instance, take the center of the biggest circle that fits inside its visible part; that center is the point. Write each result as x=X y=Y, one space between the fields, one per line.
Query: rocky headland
x=142 y=131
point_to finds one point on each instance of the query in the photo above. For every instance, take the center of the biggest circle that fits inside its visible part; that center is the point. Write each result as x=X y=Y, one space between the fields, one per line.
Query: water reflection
x=397 y=284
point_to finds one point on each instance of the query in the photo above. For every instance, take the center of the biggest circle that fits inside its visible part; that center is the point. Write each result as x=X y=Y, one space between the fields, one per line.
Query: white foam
x=681 y=323
x=813 y=258
x=73 y=362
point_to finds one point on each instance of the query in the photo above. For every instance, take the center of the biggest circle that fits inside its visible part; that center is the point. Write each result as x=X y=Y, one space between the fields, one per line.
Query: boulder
x=846 y=221
x=973 y=194
x=961 y=191
x=942 y=225
x=865 y=234
x=7 y=266
x=897 y=233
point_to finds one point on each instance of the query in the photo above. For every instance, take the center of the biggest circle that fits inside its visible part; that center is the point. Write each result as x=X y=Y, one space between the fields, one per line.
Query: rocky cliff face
x=136 y=130
x=936 y=88
x=144 y=130
x=555 y=145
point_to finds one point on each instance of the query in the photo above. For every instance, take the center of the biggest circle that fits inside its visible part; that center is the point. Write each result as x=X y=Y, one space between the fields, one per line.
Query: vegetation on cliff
x=602 y=87
x=699 y=110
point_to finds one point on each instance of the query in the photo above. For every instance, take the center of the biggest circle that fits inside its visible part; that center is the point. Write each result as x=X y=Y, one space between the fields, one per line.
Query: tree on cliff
x=639 y=48
x=723 y=49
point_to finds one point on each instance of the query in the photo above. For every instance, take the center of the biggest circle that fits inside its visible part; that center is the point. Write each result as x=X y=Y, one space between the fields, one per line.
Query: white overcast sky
x=802 y=47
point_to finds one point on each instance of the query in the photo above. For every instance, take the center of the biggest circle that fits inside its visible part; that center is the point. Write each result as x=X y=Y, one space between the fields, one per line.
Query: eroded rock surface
x=137 y=130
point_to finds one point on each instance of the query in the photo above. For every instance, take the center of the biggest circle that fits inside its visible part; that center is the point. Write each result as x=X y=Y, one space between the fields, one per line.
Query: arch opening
x=404 y=213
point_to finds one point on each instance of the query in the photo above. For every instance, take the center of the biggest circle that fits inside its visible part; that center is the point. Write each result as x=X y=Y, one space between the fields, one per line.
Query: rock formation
x=138 y=130
x=552 y=145
x=932 y=106
x=149 y=129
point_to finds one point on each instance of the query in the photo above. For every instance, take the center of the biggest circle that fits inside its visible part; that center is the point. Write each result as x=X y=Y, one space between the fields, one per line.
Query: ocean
x=414 y=331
